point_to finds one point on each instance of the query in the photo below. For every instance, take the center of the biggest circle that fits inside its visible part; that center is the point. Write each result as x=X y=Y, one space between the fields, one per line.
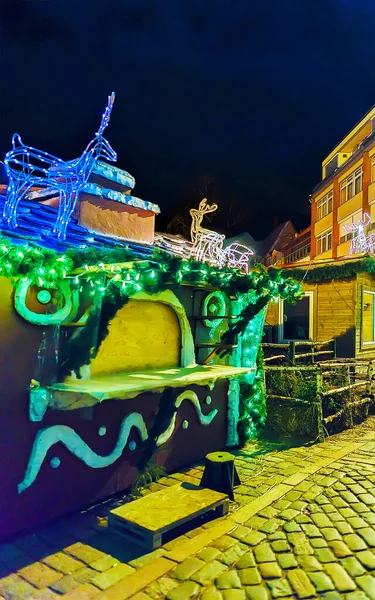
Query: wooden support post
x=292 y=352
x=370 y=372
x=220 y=473
x=318 y=405
x=319 y=381
x=334 y=341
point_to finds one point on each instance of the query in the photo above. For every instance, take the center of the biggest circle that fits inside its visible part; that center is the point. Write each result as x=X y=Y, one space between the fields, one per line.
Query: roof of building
x=274 y=239
x=302 y=238
x=245 y=239
x=360 y=122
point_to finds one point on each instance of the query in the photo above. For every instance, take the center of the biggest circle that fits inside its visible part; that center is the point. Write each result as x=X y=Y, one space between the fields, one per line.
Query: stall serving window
x=297 y=319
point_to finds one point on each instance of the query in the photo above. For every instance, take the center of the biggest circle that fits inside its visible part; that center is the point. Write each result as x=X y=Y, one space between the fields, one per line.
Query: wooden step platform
x=147 y=520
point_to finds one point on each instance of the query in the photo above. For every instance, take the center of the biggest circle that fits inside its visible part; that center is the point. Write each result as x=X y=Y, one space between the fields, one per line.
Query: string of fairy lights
x=46 y=269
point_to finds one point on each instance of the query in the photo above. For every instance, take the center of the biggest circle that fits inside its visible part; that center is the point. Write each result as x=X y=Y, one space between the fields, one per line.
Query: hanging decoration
x=27 y=167
x=208 y=246
x=361 y=243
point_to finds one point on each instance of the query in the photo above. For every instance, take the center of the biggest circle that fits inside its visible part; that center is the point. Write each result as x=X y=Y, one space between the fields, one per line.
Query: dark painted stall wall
x=74 y=485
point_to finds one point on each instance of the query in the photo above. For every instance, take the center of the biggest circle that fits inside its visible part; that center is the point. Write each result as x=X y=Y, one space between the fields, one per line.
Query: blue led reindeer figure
x=27 y=167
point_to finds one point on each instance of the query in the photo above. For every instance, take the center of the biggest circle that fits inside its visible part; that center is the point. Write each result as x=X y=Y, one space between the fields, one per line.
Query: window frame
x=298 y=254
x=324 y=236
x=348 y=186
x=372 y=342
x=356 y=216
x=282 y=339
x=324 y=206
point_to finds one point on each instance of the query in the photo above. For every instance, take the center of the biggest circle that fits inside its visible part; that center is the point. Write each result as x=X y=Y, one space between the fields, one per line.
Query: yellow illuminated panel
x=350 y=207
x=324 y=224
x=142 y=336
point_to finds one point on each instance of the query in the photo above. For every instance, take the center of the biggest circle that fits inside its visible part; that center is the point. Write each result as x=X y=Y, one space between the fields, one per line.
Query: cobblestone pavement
x=302 y=526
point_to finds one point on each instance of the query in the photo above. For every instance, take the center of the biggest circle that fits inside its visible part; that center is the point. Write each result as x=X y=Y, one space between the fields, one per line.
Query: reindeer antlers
x=206 y=208
x=107 y=114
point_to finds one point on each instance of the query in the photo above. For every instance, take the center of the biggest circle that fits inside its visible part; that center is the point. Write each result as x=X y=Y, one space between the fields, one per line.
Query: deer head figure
x=99 y=146
x=197 y=218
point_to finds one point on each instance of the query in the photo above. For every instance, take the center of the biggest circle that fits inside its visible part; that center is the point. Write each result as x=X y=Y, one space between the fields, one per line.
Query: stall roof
x=36 y=222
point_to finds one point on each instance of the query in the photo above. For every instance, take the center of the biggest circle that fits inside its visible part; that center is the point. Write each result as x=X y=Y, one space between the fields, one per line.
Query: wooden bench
x=146 y=521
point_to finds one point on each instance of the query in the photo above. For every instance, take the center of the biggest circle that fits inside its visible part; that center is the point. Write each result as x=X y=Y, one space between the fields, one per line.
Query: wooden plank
x=163 y=510
x=214 y=345
x=81 y=393
x=274 y=357
x=288 y=399
x=343 y=389
x=300 y=368
x=331 y=418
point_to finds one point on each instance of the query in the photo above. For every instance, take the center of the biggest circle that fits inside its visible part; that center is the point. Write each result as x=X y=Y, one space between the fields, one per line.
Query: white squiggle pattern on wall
x=203 y=419
x=46 y=438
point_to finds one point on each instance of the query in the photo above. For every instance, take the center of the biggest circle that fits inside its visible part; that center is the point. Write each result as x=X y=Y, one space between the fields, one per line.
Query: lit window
x=347 y=223
x=352 y=185
x=373 y=167
x=297 y=254
x=368 y=317
x=358 y=184
x=325 y=205
x=324 y=242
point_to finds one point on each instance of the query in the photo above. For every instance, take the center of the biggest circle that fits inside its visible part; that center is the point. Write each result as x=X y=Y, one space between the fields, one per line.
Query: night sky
x=238 y=100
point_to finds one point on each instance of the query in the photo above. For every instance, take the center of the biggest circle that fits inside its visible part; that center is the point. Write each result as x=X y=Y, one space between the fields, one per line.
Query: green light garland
x=331 y=272
x=46 y=268
x=252 y=404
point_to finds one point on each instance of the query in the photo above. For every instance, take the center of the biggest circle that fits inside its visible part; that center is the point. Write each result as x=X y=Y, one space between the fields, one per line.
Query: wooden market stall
x=114 y=353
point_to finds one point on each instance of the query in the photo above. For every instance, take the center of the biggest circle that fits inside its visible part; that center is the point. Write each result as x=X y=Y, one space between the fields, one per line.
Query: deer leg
x=17 y=189
x=60 y=226
x=60 y=210
x=9 y=202
x=70 y=205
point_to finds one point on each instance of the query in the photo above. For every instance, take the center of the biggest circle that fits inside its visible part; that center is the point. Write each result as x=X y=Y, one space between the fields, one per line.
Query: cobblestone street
x=302 y=526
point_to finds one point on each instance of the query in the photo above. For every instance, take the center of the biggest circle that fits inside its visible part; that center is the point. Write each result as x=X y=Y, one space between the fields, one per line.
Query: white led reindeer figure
x=209 y=245
x=27 y=167
x=361 y=242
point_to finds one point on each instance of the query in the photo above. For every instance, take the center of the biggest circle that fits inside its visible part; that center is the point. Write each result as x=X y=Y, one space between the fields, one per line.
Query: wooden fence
x=288 y=353
x=356 y=375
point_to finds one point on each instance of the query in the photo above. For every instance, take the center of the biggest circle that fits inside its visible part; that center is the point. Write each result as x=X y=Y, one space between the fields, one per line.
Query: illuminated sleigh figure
x=361 y=242
x=27 y=167
x=208 y=246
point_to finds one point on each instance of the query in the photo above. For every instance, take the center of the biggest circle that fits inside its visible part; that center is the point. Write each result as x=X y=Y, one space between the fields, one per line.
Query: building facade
x=346 y=192
x=337 y=279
